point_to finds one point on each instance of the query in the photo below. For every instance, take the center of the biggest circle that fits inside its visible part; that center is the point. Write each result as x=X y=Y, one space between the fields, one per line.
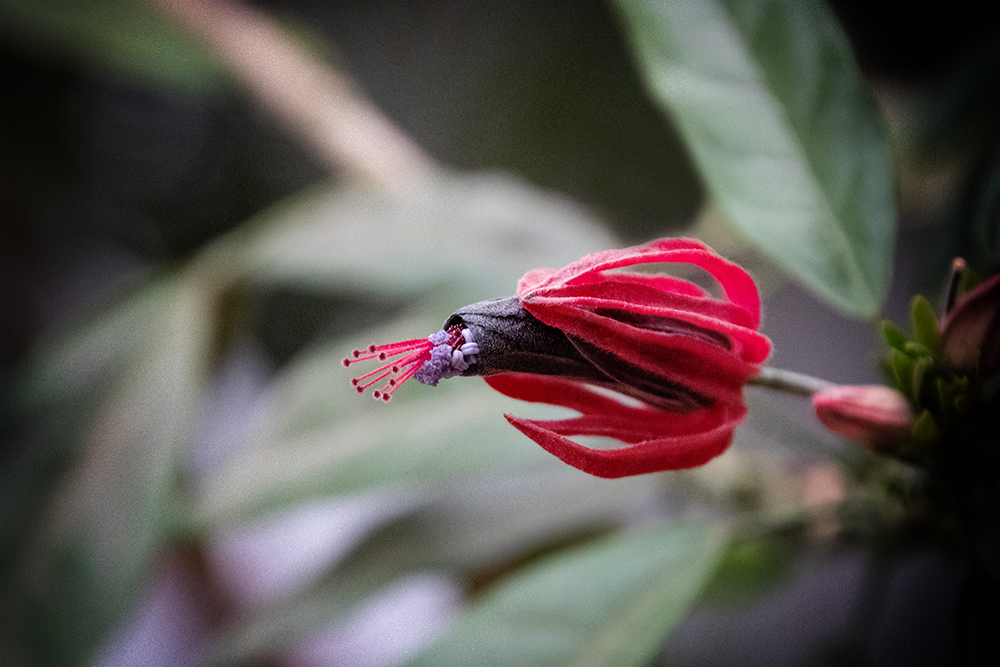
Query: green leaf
x=902 y=368
x=771 y=105
x=925 y=326
x=608 y=603
x=750 y=567
x=893 y=336
x=86 y=556
x=127 y=37
x=479 y=232
x=420 y=441
x=60 y=391
x=482 y=524
x=81 y=360
x=921 y=368
x=925 y=428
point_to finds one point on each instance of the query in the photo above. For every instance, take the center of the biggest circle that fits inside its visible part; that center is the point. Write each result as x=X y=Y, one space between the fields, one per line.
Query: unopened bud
x=970 y=334
x=873 y=415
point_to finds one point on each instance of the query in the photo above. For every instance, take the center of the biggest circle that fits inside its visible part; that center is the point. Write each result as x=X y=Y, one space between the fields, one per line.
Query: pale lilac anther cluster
x=447 y=361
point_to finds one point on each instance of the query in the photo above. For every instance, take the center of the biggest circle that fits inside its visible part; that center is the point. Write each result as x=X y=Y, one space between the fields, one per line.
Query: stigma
x=444 y=354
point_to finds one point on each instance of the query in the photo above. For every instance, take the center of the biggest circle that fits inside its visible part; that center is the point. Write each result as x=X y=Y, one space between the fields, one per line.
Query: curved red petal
x=667 y=453
x=639 y=296
x=735 y=282
x=568 y=314
x=604 y=260
x=553 y=390
x=702 y=366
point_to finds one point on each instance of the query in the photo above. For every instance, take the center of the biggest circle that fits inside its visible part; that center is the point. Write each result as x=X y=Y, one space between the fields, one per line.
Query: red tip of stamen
x=386 y=397
x=372 y=347
x=382 y=356
x=346 y=362
x=376 y=394
x=358 y=389
x=392 y=382
x=354 y=381
x=355 y=353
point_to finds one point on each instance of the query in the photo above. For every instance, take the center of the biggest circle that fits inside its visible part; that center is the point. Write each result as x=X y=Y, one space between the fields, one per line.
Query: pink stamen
x=396 y=383
x=414 y=353
x=403 y=359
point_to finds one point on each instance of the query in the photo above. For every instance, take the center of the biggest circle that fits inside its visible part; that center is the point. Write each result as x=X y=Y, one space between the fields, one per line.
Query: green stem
x=788 y=381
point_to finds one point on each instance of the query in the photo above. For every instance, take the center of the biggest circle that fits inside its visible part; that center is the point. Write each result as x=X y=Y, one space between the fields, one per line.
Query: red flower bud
x=970 y=333
x=873 y=415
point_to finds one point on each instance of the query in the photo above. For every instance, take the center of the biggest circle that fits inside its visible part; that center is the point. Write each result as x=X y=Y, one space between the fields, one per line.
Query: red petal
x=970 y=334
x=748 y=344
x=656 y=455
x=705 y=367
x=642 y=297
x=735 y=282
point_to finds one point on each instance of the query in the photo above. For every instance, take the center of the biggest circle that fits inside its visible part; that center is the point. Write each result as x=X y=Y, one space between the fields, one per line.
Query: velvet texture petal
x=656 y=440
x=661 y=339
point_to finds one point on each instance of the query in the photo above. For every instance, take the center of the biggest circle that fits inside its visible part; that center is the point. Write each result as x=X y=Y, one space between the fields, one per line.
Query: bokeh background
x=189 y=479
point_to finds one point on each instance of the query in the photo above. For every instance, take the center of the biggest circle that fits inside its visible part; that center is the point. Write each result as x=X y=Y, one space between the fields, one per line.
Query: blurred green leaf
x=925 y=326
x=479 y=524
x=902 y=369
x=457 y=241
x=58 y=394
x=925 y=428
x=749 y=567
x=86 y=557
x=482 y=232
x=768 y=98
x=429 y=437
x=608 y=603
x=893 y=336
x=128 y=37
x=90 y=353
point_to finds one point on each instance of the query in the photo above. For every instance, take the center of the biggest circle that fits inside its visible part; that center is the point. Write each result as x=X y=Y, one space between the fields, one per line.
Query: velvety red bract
x=663 y=331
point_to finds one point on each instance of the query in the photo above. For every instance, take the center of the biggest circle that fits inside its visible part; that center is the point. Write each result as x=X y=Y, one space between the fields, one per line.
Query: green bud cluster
x=942 y=396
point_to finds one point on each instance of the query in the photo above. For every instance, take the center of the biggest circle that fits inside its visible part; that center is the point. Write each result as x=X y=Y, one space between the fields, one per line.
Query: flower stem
x=788 y=381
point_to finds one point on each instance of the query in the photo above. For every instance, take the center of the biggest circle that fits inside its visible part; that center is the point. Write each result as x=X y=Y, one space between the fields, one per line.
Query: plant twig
x=788 y=381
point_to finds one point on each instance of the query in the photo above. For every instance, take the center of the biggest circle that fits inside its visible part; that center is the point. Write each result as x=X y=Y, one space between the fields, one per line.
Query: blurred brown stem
x=312 y=99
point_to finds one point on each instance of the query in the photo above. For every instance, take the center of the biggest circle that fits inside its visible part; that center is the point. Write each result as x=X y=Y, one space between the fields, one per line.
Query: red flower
x=674 y=358
x=663 y=340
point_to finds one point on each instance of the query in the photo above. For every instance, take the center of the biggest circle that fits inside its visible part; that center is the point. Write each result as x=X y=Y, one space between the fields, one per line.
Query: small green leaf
x=925 y=326
x=945 y=397
x=920 y=369
x=925 y=428
x=902 y=368
x=893 y=336
x=917 y=350
x=610 y=604
x=969 y=281
x=770 y=103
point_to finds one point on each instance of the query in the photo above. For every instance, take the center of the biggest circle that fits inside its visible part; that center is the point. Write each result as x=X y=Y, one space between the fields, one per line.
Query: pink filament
x=397 y=370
